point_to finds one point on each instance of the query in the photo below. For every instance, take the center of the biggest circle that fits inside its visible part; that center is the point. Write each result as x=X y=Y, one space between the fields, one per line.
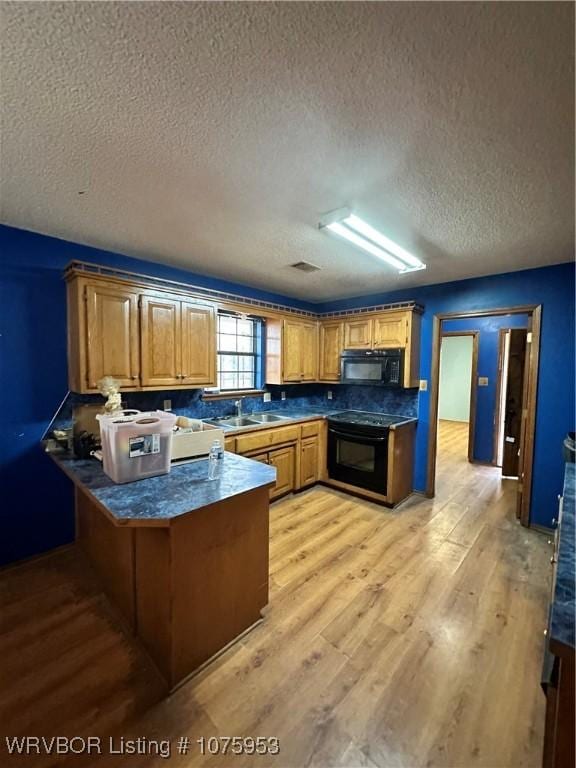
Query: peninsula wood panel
x=110 y=550
x=112 y=347
x=160 y=321
x=331 y=345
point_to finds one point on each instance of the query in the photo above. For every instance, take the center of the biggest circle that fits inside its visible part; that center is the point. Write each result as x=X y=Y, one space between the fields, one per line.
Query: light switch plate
x=482 y=381
x=423 y=385
x=329 y=394
x=167 y=405
x=267 y=397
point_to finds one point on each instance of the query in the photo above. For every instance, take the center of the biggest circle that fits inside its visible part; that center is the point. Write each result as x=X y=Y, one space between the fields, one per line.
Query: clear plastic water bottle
x=215 y=461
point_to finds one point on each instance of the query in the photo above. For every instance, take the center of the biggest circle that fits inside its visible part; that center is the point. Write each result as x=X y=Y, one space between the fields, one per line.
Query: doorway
x=512 y=347
x=527 y=413
x=457 y=393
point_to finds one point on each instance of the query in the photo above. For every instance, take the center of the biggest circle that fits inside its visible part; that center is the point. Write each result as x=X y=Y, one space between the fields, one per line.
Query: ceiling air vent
x=305 y=266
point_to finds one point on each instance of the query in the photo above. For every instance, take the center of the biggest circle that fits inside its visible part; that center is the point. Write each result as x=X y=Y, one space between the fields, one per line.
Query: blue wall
x=553 y=287
x=36 y=498
x=488 y=328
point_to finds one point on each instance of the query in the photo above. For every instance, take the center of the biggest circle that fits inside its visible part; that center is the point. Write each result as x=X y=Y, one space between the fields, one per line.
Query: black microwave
x=375 y=367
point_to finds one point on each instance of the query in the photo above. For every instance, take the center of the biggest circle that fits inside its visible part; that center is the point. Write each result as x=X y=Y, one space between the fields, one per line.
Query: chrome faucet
x=238 y=405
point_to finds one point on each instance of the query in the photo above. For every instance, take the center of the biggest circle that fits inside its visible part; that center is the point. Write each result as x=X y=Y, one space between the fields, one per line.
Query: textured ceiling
x=212 y=136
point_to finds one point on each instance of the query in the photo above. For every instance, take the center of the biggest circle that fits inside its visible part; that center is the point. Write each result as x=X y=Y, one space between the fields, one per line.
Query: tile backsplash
x=189 y=402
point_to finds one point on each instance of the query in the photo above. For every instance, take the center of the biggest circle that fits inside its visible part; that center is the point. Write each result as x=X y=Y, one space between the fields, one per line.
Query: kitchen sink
x=234 y=421
x=266 y=417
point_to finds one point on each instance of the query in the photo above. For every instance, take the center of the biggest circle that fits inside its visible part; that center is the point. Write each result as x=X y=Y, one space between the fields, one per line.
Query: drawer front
x=311 y=430
x=266 y=438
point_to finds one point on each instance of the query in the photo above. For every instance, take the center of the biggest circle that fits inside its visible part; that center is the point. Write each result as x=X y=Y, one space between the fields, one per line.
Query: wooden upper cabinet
x=309 y=352
x=198 y=344
x=160 y=323
x=112 y=339
x=358 y=333
x=331 y=343
x=291 y=351
x=390 y=330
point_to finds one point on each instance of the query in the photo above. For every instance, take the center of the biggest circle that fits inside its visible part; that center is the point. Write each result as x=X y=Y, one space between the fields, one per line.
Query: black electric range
x=358 y=448
x=366 y=419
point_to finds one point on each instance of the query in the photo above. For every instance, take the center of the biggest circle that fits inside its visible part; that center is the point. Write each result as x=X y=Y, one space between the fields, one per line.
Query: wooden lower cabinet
x=284 y=461
x=309 y=463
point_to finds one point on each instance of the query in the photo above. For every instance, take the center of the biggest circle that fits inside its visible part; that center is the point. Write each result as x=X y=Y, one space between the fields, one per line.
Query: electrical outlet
x=267 y=397
x=482 y=381
x=423 y=385
x=329 y=394
x=282 y=395
x=167 y=405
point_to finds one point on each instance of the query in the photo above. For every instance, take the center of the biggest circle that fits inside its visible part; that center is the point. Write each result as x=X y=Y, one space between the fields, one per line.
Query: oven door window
x=369 y=370
x=357 y=456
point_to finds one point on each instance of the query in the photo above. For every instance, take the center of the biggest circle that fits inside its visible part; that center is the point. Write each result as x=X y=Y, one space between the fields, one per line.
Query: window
x=239 y=352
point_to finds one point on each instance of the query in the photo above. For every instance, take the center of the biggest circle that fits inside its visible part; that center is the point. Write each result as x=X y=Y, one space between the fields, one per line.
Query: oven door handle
x=358 y=438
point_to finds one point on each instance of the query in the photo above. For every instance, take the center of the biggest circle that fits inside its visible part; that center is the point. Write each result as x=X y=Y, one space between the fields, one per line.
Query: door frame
x=498 y=411
x=534 y=311
x=473 y=378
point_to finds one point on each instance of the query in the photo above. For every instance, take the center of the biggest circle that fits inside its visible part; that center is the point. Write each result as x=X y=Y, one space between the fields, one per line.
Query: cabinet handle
x=134 y=377
x=552 y=559
x=545 y=633
x=554 y=521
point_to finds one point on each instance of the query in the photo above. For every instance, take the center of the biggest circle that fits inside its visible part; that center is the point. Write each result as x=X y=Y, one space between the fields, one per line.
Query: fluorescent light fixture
x=354 y=229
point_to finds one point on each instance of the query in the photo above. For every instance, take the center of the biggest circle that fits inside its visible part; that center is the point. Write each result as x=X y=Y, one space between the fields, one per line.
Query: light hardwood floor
x=409 y=638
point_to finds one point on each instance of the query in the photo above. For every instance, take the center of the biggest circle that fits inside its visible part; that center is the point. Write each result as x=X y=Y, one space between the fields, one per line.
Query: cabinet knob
x=554 y=521
x=545 y=633
x=552 y=559
x=133 y=378
x=549 y=542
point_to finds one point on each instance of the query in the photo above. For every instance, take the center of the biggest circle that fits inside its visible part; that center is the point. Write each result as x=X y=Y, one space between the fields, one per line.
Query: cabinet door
x=198 y=344
x=358 y=334
x=330 y=349
x=309 y=352
x=308 y=461
x=283 y=460
x=160 y=323
x=292 y=351
x=112 y=335
x=391 y=330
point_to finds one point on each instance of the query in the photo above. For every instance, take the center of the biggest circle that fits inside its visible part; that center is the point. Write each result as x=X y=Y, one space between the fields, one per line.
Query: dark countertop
x=296 y=415
x=561 y=628
x=157 y=500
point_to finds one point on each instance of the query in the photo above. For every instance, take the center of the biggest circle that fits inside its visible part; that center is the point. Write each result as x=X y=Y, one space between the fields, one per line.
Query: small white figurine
x=110 y=388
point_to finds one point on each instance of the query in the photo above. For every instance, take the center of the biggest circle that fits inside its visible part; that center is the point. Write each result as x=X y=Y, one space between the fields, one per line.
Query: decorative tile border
x=216 y=295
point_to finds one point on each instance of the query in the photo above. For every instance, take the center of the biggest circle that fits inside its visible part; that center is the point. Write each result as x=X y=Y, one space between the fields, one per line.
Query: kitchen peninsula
x=184 y=559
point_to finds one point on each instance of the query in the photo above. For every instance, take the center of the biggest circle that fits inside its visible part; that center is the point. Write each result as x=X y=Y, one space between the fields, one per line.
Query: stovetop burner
x=366 y=418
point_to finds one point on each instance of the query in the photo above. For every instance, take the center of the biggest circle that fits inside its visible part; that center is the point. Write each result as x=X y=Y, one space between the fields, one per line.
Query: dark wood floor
x=409 y=638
